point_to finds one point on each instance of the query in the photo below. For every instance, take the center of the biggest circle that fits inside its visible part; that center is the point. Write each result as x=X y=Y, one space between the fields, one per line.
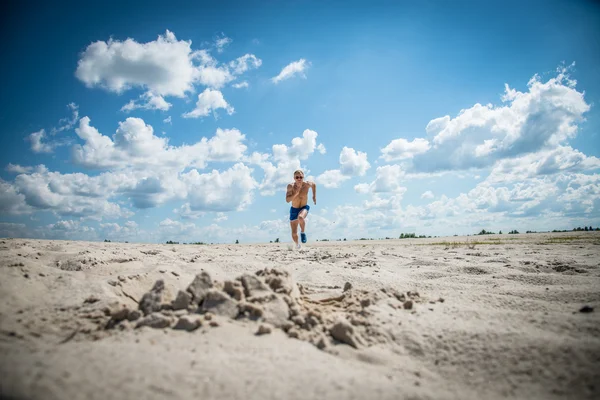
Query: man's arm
x=314 y=189
x=291 y=193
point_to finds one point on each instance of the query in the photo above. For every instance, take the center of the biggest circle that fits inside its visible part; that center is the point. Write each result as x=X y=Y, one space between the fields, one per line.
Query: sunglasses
x=297 y=177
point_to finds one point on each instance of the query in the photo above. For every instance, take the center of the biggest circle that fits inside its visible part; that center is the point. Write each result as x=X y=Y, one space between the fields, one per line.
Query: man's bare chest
x=303 y=189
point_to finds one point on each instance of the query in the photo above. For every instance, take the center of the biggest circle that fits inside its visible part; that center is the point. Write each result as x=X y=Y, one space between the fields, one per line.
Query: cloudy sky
x=163 y=121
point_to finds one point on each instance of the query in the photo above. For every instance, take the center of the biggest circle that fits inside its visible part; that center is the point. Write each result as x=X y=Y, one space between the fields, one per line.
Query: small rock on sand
x=343 y=331
x=134 y=315
x=91 y=299
x=347 y=286
x=586 y=309
x=124 y=325
x=220 y=303
x=254 y=287
x=119 y=314
x=234 y=289
x=276 y=311
x=321 y=342
x=155 y=320
x=201 y=284
x=151 y=301
x=188 y=323
x=182 y=301
x=254 y=311
x=264 y=329
x=408 y=305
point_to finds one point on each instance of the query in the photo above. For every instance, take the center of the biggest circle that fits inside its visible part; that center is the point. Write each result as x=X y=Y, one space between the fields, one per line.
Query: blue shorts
x=295 y=211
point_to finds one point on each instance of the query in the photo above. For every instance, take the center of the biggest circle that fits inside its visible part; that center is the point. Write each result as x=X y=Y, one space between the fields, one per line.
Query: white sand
x=509 y=325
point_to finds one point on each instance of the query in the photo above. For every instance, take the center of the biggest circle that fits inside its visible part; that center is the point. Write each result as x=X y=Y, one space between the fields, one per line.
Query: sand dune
x=498 y=316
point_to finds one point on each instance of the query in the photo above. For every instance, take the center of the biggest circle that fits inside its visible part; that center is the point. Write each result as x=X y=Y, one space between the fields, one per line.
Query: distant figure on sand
x=297 y=193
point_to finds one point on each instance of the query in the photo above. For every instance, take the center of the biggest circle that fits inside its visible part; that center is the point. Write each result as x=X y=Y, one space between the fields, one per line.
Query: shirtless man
x=297 y=193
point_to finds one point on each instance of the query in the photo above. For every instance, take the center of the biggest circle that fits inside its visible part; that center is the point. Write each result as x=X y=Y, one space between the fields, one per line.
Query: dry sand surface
x=480 y=317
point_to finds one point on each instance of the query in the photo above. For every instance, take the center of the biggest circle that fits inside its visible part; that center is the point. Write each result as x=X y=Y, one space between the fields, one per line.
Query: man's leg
x=302 y=222
x=294 y=226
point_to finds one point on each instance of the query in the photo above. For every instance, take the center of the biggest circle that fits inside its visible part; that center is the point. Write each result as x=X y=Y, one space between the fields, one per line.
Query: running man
x=297 y=193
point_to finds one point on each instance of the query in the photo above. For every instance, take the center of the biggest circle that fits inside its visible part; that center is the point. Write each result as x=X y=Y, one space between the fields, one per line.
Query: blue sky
x=156 y=121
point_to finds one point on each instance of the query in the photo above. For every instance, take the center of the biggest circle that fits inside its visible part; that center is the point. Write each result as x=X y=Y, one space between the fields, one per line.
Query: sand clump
x=271 y=299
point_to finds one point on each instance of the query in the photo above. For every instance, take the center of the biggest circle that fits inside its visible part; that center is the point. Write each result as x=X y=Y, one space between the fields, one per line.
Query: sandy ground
x=499 y=316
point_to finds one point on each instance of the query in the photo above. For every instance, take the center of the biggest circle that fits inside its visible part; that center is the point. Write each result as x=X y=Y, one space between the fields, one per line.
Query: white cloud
x=226 y=145
x=244 y=63
x=229 y=190
x=559 y=160
x=529 y=204
x=75 y=195
x=116 y=232
x=388 y=179
x=11 y=201
x=362 y=188
x=98 y=150
x=147 y=101
x=580 y=193
x=427 y=195
x=300 y=149
x=15 y=230
x=220 y=217
x=240 y=85
x=276 y=176
x=401 y=149
x=176 y=230
x=209 y=101
x=136 y=146
x=168 y=120
x=66 y=124
x=321 y=148
x=186 y=212
x=152 y=189
x=65 y=229
x=295 y=68
x=18 y=169
x=222 y=42
x=214 y=77
x=385 y=203
x=332 y=178
x=353 y=163
x=163 y=66
x=274 y=227
x=37 y=142
x=286 y=159
x=541 y=119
